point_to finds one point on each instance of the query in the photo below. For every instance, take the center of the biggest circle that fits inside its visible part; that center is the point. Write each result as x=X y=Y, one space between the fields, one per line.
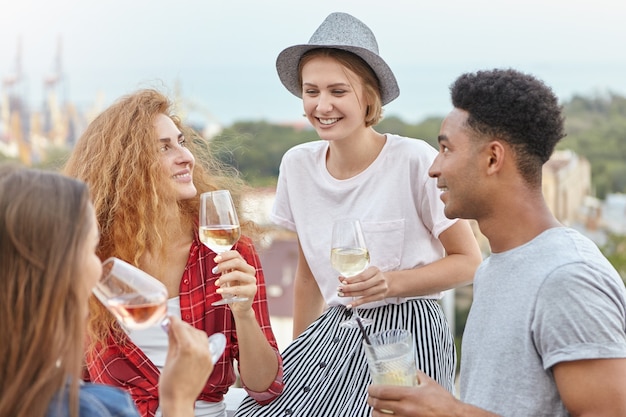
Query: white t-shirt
x=396 y=201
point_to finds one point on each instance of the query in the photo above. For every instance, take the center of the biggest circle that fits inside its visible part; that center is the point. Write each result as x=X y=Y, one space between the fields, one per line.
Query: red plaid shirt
x=126 y=366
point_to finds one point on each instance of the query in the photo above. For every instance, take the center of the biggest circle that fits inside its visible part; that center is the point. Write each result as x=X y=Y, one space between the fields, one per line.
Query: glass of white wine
x=138 y=300
x=349 y=256
x=219 y=228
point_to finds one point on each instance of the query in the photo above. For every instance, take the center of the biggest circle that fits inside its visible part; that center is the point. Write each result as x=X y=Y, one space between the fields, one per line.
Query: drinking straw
x=367 y=339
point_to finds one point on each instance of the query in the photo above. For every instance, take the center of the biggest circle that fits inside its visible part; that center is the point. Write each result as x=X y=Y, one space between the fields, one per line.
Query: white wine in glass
x=219 y=228
x=138 y=300
x=349 y=256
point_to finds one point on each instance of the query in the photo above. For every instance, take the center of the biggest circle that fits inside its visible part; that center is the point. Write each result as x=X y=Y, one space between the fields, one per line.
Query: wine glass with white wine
x=349 y=256
x=138 y=300
x=219 y=228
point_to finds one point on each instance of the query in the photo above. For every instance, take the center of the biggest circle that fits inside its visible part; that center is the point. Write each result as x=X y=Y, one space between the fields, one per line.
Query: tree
x=256 y=148
x=615 y=251
x=596 y=129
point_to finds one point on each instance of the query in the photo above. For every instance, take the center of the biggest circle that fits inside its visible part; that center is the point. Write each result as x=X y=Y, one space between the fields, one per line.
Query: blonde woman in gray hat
x=381 y=179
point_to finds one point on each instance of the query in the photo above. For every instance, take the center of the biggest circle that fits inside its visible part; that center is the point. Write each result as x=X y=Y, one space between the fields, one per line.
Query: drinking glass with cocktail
x=391 y=358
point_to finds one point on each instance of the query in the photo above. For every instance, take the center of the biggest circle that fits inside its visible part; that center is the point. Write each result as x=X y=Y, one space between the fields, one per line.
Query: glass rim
x=378 y=338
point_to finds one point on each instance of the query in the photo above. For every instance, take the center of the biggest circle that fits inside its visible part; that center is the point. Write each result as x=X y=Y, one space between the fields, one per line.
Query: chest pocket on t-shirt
x=385 y=242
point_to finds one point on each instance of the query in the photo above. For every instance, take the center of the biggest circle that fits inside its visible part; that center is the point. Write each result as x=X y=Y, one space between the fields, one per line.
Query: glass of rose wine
x=219 y=228
x=138 y=300
x=349 y=256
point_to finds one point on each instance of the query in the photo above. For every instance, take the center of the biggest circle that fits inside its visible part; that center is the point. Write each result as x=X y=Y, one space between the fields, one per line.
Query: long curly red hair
x=118 y=158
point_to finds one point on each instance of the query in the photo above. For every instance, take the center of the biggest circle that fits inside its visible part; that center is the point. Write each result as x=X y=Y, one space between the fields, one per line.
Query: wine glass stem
x=227 y=296
x=355 y=310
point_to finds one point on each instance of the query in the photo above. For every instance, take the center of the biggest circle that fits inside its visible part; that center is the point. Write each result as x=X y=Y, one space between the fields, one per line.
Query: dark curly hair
x=516 y=108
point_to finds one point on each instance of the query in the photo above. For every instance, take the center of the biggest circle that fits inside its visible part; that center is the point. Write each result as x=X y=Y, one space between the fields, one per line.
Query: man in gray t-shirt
x=551 y=300
x=546 y=333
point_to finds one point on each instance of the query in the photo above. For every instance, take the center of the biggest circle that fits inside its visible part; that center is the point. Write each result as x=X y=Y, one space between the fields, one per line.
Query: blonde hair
x=117 y=156
x=44 y=225
x=371 y=85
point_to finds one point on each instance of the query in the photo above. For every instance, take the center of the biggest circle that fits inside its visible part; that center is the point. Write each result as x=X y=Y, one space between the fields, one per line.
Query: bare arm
x=258 y=362
x=457 y=268
x=594 y=387
x=308 y=303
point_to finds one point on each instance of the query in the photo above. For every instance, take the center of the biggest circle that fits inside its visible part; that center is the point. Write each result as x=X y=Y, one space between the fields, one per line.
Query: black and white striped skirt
x=325 y=368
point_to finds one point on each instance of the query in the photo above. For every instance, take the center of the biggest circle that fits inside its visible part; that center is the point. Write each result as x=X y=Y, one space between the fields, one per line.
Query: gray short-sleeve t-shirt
x=553 y=299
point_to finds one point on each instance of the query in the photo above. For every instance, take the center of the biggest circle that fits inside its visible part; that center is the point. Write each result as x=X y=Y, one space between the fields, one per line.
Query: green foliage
x=256 y=148
x=427 y=129
x=595 y=126
x=4 y=158
x=596 y=129
x=615 y=251
x=55 y=159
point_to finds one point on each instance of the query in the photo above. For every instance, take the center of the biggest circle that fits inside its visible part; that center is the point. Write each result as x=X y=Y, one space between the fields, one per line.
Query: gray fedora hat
x=339 y=31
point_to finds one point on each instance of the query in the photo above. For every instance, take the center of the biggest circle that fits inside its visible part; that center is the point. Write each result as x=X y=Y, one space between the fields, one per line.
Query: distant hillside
x=596 y=128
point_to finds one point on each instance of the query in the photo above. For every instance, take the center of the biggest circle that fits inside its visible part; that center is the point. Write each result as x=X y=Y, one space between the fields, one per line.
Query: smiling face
x=333 y=99
x=456 y=168
x=176 y=160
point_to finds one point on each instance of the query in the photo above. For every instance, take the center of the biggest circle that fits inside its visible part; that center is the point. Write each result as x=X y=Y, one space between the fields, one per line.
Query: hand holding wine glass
x=187 y=368
x=219 y=228
x=349 y=256
x=139 y=300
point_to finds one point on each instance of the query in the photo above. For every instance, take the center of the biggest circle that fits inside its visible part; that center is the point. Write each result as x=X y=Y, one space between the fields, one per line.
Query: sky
x=221 y=54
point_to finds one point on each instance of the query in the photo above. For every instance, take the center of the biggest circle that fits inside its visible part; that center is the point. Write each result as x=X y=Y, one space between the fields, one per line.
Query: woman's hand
x=187 y=368
x=240 y=277
x=368 y=286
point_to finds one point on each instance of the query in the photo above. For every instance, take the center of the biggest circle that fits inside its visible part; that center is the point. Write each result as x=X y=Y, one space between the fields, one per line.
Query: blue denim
x=95 y=400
